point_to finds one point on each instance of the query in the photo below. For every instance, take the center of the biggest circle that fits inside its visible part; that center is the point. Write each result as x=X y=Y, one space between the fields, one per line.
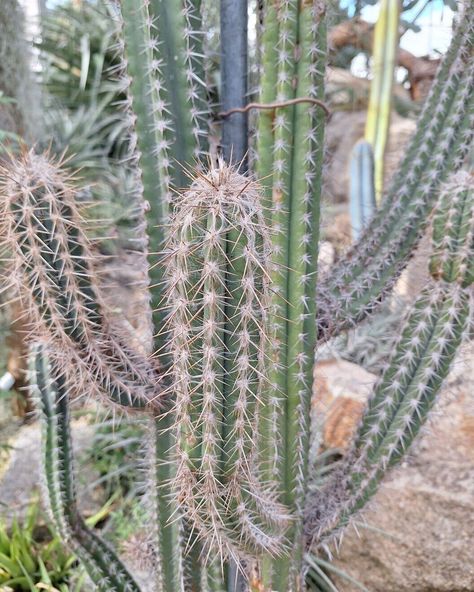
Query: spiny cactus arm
x=361 y=279
x=195 y=58
x=142 y=73
x=307 y=157
x=53 y=271
x=362 y=189
x=360 y=478
x=143 y=81
x=440 y=93
x=384 y=61
x=453 y=232
x=273 y=430
x=408 y=389
x=169 y=546
x=50 y=391
x=217 y=295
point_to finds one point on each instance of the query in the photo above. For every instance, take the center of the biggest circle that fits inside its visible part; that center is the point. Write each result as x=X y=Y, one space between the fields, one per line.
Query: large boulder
x=417 y=535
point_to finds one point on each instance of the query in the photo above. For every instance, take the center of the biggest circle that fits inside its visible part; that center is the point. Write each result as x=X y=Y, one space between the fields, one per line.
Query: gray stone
x=20 y=477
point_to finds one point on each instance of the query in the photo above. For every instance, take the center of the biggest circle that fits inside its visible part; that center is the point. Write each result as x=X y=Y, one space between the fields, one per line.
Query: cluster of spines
x=408 y=389
x=453 y=231
x=52 y=270
x=359 y=281
x=217 y=295
x=51 y=396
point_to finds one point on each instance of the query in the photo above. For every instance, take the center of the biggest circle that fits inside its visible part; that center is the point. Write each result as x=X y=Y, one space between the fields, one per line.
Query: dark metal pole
x=234 y=79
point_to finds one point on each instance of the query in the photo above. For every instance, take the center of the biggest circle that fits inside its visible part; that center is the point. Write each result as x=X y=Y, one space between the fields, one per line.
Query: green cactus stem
x=453 y=232
x=408 y=389
x=362 y=189
x=268 y=83
x=51 y=395
x=52 y=270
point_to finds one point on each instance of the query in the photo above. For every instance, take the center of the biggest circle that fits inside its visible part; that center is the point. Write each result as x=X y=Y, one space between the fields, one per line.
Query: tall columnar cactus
x=234 y=292
x=384 y=61
x=52 y=398
x=218 y=367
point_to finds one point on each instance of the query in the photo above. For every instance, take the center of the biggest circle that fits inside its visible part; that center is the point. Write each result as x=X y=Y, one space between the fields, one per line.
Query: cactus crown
x=234 y=296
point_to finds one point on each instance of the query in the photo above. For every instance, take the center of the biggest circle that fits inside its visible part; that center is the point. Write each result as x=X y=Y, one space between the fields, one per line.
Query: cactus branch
x=359 y=281
x=217 y=297
x=408 y=389
x=52 y=268
x=52 y=399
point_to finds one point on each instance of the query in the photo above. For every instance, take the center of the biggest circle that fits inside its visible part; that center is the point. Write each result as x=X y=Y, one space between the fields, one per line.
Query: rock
x=326 y=256
x=341 y=391
x=20 y=478
x=343 y=131
x=423 y=515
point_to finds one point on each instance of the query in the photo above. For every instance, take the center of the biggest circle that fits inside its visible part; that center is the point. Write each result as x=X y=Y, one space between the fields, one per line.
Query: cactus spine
x=230 y=456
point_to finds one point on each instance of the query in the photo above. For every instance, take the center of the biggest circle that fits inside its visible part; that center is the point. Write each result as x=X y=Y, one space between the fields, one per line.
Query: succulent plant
x=236 y=305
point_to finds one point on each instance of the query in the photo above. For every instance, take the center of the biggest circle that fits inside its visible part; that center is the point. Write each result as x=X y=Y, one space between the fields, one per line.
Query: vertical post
x=234 y=79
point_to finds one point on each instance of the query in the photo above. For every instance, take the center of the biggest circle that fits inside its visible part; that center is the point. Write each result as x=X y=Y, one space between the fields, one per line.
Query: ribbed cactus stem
x=196 y=76
x=50 y=392
x=408 y=389
x=53 y=271
x=268 y=84
x=453 y=231
x=362 y=189
x=439 y=93
x=178 y=51
x=216 y=411
x=282 y=165
x=358 y=282
x=142 y=75
x=303 y=235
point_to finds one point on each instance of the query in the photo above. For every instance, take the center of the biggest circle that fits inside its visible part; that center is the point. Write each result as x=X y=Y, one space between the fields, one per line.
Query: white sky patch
x=435 y=35
x=432 y=40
